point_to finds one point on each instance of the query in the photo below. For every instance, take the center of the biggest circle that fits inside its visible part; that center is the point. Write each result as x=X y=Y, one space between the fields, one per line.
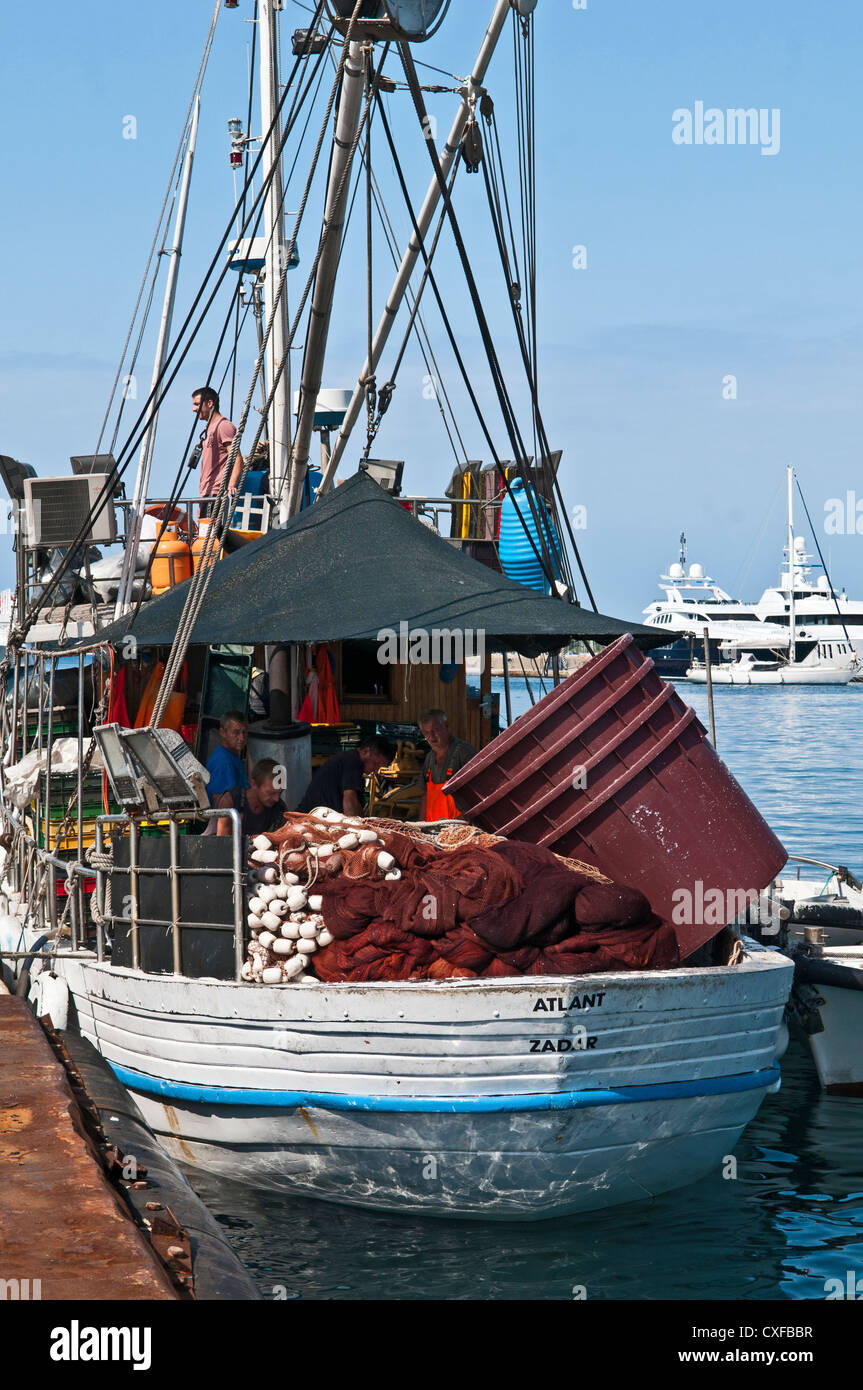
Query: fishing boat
x=524 y=1097
x=798 y=655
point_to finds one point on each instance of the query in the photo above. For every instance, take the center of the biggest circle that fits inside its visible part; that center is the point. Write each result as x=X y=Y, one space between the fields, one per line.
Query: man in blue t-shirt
x=226 y=766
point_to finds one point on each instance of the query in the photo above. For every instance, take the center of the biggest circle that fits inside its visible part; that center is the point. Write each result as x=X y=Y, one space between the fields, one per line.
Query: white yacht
x=814 y=660
x=828 y=625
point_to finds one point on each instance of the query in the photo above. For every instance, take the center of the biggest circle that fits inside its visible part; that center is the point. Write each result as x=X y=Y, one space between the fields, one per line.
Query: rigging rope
x=238 y=326
x=823 y=566
x=503 y=396
x=178 y=157
x=201 y=578
x=504 y=400
x=293 y=114
x=371 y=380
x=527 y=346
x=161 y=386
x=419 y=328
x=432 y=280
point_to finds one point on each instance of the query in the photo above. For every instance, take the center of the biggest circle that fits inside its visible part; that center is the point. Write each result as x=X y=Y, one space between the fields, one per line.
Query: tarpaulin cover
x=356 y=564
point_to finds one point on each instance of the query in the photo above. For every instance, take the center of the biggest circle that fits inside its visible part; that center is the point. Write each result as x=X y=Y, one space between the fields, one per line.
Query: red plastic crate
x=614 y=769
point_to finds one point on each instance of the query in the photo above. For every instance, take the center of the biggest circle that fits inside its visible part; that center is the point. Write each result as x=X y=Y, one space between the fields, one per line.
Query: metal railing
x=434 y=508
x=34 y=873
x=193 y=506
x=175 y=872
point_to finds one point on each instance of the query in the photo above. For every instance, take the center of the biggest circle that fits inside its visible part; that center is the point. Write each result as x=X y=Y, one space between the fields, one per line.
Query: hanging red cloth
x=321 y=705
x=117 y=711
x=328 y=703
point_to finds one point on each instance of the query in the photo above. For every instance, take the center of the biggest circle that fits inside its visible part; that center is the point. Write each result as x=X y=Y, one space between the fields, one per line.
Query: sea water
x=784 y=1219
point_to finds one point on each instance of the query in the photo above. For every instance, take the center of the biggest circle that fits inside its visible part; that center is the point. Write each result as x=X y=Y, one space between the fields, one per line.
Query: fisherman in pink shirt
x=215 y=445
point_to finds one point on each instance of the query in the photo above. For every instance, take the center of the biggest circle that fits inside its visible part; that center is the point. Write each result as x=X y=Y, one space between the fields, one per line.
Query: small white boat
x=831 y=902
x=485 y=1099
x=829 y=663
x=836 y=973
x=824 y=935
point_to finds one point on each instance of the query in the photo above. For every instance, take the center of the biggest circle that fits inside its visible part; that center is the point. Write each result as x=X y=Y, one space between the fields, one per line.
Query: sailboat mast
x=502 y=12
x=792 y=610
x=142 y=481
x=279 y=421
x=347 y=119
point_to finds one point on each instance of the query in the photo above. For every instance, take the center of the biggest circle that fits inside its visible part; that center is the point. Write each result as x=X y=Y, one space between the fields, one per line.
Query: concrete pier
x=65 y=1233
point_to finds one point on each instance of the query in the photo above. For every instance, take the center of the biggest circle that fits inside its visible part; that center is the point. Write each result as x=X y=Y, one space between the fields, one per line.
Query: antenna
x=683 y=547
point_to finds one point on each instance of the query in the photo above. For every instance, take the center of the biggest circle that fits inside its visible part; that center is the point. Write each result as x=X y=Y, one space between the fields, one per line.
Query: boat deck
x=64 y=1233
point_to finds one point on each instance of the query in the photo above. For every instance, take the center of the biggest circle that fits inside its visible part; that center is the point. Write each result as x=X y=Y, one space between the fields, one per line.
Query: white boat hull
x=786 y=676
x=838 y=1050
x=514 y=1099
x=836 y=909
x=507 y=1166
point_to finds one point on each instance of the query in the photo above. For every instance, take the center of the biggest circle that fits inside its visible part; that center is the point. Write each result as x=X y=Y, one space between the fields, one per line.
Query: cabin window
x=363 y=676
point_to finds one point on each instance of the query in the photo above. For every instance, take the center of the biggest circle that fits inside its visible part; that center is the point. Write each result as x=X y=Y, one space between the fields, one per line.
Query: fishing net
x=382 y=900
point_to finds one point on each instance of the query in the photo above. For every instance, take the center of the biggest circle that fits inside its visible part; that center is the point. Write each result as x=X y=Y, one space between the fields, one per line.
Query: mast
x=148 y=444
x=470 y=92
x=279 y=420
x=792 y=610
x=347 y=119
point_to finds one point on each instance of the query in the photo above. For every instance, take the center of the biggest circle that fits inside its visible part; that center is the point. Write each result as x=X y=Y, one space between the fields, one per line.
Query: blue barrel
x=519 y=552
x=314 y=478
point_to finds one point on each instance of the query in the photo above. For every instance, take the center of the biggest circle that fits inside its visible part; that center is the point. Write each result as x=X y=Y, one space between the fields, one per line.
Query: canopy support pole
x=507 y=690
x=347 y=120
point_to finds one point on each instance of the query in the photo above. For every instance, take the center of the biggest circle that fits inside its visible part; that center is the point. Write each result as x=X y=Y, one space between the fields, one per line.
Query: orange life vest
x=439 y=804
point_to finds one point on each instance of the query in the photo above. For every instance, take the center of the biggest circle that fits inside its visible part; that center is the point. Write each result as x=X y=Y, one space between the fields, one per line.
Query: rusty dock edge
x=82 y=1218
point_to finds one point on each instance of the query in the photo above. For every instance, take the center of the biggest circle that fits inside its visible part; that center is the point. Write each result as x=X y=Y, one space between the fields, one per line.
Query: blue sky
x=702 y=261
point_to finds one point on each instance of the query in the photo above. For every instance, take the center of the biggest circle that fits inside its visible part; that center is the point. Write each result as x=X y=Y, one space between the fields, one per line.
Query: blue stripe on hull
x=441 y=1105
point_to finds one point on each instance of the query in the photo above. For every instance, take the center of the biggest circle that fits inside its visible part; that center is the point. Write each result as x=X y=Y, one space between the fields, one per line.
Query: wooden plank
x=61 y=1222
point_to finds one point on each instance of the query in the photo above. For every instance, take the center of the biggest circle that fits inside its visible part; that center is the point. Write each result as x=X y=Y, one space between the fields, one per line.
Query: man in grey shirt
x=447 y=754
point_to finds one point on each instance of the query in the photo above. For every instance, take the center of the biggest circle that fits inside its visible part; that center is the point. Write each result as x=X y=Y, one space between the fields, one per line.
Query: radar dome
x=799 y=544
x=414 y=20
x=677 y=572
x=824 y=584
x=696 y=572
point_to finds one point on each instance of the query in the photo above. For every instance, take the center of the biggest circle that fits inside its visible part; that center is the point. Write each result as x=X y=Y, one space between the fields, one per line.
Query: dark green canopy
x=355 y=564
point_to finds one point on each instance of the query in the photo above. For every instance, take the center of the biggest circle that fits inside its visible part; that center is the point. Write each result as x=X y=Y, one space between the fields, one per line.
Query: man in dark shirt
x=260 y=804
x=447 y=754
x=340 y=783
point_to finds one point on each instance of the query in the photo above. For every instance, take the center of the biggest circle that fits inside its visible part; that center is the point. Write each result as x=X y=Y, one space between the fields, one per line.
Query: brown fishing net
x=449 y=901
